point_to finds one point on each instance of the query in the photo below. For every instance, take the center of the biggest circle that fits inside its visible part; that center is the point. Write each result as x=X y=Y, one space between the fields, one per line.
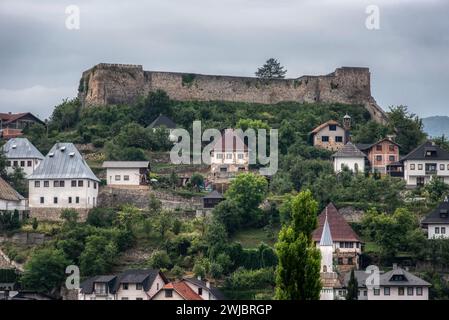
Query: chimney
x=199 y=278
x=395 y=266
x=208 y=284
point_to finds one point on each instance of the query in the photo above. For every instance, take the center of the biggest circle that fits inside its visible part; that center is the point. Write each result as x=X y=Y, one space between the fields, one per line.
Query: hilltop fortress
x=122 y=83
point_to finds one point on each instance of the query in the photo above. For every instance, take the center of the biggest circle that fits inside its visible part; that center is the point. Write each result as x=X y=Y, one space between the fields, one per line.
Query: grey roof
x=125 y=164
x=439 y=215
x=87 y=286
x=326 y=237
x=21 y=148
x=162 y=121
x=63 y=162
x=420 y=152
x=213 y=290
x=213 y=195
x=386 y=278
x=349 y=151
x=363 y=146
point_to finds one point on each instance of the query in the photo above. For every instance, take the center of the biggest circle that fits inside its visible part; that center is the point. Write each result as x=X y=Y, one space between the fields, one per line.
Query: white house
x=351 y=157
x=62 y=180
x=176 y=291
x=126 y=173
x=426 y=162
x=21 y=153
x=397 y=284
x=229 y=155
x=10 y=199
x=204 y=289
x=437 y=222
x=129 y=285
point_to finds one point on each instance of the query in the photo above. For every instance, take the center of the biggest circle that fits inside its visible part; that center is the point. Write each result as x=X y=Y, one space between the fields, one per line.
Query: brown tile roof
x=324 y=125
x=183 y=290
x=8 y=193
x=340 y=229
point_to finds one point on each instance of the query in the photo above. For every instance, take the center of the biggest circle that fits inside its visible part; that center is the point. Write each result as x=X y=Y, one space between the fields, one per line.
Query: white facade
x=355 y=164
x=420 y=172
x=10 y=205
x=123 y=176
x=63 y=193
x=398 y=293
x=435 y=231
x=203 y=291
x=28 y=165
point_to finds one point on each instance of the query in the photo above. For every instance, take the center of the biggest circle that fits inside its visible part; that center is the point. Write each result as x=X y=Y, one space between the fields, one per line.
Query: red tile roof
x=340 y=229
x=183 y=290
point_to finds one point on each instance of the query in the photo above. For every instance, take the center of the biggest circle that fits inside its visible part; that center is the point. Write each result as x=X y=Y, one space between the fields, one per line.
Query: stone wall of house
x=53 y=214
x=139 y=197
x=118 y=83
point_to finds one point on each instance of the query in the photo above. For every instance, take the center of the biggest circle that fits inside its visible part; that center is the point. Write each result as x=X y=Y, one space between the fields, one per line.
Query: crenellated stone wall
x=120 y=83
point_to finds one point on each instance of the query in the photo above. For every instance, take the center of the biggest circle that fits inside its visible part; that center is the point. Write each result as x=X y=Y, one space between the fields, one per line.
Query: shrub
x=160 y=259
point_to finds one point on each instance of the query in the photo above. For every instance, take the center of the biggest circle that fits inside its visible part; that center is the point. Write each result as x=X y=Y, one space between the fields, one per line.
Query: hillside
x=436 y=126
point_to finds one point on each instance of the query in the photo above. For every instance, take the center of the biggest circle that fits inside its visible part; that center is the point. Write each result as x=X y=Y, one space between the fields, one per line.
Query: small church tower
x=347 y=126
x=326 y=249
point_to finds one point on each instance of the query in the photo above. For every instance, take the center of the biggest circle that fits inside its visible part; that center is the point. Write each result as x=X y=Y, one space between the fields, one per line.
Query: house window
x=325 y=138
x=37 y=184
x=376 y=292
x=70 y=199
x=8 y=163
x=333 y=127
x=448 y=167
x=80 y=183
x=420 y=166
x=55 y=200
x=228 y=155
x=410 y=291
x=168 y=293
x=437 y=230
x=77 y=199
x=62 y=184
x=29 y=163
x=391 y=147
x=378 y=158
x=125 y=286
x=56 y=183
x=340 y=261
x=88 y=184
x=240 y=156
x=365 y=293
x=138 y=286
x=46 y=184
x=379 y=147
x=392 y=158
x=412 y=166
x=117 y=178
x=386 y=291
x=22 y=163
x=95 y=185
x=338 y=139
x=42 y=200
x=73 y=183
x=350 y=261
x=443 y=230
x=219 y=156
x=200 y=291
x=157 y=286
x=16 y=164
x=401 y=291
x=419 y=291
x=126 y=178
x=441 y=166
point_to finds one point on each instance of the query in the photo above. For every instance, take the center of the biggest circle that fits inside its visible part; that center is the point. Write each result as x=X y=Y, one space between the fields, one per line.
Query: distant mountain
x=436 y=126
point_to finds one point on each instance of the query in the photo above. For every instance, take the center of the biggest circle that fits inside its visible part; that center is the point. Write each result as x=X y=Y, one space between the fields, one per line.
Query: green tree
x=98 y=255
x=197 y=180
x=160 y=259
x=298 y=270
x=155 y=103
x=353 y=288
x=70 y=216
x=436 y=189
x=272 y=69
x=18 y=181
x=45 y=271
x=407 y=126
x=65 y=115
x=229 y=213
x=248 y=191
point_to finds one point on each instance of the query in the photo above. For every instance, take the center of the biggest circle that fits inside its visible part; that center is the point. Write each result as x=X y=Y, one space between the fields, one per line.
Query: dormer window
x=62 y=149
x=332 y=127
x=51 y=154
x=398 y=277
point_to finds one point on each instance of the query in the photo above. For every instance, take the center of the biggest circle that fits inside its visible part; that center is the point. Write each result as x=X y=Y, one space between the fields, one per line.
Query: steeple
x=326 y=237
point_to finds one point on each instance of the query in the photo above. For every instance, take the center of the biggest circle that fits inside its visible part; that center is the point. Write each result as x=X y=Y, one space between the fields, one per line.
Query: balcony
x=431 y=171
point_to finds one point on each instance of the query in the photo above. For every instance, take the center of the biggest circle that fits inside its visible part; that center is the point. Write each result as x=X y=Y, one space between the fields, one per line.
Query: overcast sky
x=41 y=61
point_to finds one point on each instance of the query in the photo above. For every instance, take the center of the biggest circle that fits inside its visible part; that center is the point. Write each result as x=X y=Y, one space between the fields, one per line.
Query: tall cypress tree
x=298 y=270
x=353 y=288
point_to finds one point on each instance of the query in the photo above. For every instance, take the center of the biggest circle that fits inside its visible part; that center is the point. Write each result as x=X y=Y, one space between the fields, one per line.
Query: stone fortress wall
x=121 y=83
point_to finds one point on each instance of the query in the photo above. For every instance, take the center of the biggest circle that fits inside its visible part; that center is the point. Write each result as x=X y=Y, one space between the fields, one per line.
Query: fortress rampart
x=122 y=83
